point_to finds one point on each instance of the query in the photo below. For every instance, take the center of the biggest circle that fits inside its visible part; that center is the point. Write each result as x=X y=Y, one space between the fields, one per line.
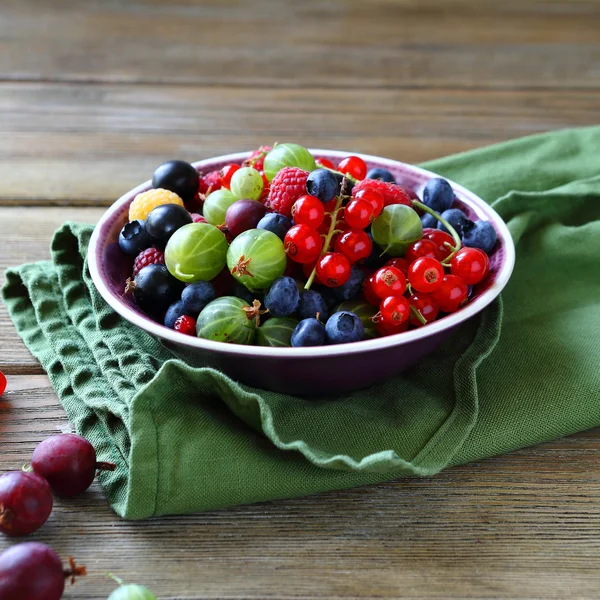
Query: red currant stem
x=455 y=236
x=105 y=466
x=334 y=214
x=417 y=313
x=114 y=578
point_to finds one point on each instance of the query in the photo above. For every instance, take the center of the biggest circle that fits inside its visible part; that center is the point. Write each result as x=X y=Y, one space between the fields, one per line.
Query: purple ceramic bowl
x=302 y=371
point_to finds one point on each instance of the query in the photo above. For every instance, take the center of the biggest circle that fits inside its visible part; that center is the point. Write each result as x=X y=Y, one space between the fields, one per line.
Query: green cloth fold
x=189 y=439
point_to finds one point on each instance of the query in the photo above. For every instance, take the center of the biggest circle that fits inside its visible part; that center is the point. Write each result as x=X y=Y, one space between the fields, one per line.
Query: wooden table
x=95 y=93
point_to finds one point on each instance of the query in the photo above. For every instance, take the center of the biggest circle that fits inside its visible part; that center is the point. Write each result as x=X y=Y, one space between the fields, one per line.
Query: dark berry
x=68 y=463
x=429 y=221
x=380 y=173
x=283 y=297
x=312 y=303
x=243 y=215
x=164 y=221
x=196 y=296
x=328 y=294
x=481 y=235
x=323 y=184
x=134 y=238
x=344 y=327
x=155 y=289
x=275 y=222
x=352 y=288
x=33 y=571
x=176 y=310
x=375 y=259
x=309 y=332
x=179 y=177
x=438 y=194
x=349 y=186
x=241 y=291
x=25 y=502
x=457 y=219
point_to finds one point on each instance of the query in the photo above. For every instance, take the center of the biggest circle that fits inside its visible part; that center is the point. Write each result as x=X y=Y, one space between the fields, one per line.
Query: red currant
x=307 y=269
x=374 y=197
x=426 y=305
x=2 y=383
x=395 y=309
x=227 y=173
x=303 y=243
x=325 y=163
x=370 y=296
x=440 y=238
x=425 y=274
x=400 y=263
x=470 y=264
x=359 y=213
x=451 y=294
x=421 y=248
x=308 y=210
x=353 y=166
x=385 y=328
x=355 y=245
x=333 y=269
x=186 y=324
x=389 y=281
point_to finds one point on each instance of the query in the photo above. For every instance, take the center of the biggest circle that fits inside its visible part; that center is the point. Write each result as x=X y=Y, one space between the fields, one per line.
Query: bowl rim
x=448 y=322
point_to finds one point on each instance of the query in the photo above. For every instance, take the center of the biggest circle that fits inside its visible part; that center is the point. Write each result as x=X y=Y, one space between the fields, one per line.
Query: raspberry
x=392 y=193
x=287 y=186
x=210 y=181
x=150 y=256
x=145 y=202
x=257 y=158
x=196 y=218
x=186 y=325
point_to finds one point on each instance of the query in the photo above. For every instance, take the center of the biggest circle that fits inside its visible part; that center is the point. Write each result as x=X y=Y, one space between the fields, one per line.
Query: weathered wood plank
x=347 y=43
x=88 y=144
x=520 y=526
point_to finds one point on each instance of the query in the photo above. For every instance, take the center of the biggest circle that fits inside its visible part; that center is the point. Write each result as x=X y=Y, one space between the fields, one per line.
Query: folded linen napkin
x=190 y=439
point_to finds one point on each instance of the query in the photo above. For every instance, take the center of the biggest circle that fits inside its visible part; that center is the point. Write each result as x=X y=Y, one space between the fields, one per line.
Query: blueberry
x=323 y=184
x=457 y=219
x=343 y=327
x=134 y=238
x=429 y=221
x=310 y=304
x=283 y=297
x=481 y=235
x=352 y=288
x=164 y=221
x=276 y=223
x=438 y=194
x=196 y=296
x=179 y=177
x=329 y=296
x=176 y=310
x=309 y=332
x=155 y=289
x=241 y=291
x=382 y=174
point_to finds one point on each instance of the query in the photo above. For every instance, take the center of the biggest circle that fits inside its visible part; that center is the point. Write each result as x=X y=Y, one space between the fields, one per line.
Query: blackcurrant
x=177 y=176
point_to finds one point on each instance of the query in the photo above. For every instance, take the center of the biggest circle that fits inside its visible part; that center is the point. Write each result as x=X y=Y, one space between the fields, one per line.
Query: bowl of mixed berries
x=301 y=271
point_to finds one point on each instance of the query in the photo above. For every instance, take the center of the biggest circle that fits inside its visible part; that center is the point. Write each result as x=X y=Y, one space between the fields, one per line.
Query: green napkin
x=189 y=439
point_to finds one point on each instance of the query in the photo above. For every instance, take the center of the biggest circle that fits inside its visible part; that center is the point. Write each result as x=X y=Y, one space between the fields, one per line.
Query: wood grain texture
x=88 y=144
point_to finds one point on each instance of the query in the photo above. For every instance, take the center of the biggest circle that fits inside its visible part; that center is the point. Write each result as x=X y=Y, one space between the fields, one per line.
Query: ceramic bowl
x=303 y=371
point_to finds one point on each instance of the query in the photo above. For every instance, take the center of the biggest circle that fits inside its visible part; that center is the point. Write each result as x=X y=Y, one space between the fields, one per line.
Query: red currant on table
x=333 y=269
x=426 y=305
x=374 y=197
x=421 y=248
x=303 y=244
x=441 y=239
x=355 y=245
x=227 y=173
x=425 y=274
x=325 y=163
x=186 y=324
x=388 y=281
x=395 y=309
x=451 y=294
x=400 y=263
x=470 y=264
x=353 y=166
x=308 y=210
x=359 y=213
